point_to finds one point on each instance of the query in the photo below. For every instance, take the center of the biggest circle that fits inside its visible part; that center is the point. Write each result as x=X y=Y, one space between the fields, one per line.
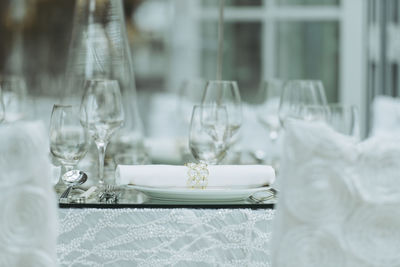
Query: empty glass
x=298 y=93
x=14 y=97
x=267 y=112
x=102 y=114
x=313 y=113
x=344 y=119
x=209 y=133
x=68 y=139
x=225 y=93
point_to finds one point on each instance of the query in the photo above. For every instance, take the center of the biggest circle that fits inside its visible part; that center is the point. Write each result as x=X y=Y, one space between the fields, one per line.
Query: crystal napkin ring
x=197 y=175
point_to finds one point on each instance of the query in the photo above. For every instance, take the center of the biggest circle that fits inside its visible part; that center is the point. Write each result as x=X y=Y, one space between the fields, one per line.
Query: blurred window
x=264 y=39
x=211 y=3
x=309 y=2
x=309 y=50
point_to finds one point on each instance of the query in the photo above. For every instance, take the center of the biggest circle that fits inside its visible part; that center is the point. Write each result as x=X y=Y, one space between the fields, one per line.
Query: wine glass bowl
x=319 y=113
x=226 y=93
x=209 y=133
x=341 y=118
x=68 y=139
x=344 y=119
x=102 y=108
x=297 y=93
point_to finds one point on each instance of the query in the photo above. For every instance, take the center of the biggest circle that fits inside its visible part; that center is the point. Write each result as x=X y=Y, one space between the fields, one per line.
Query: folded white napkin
x=232 y=176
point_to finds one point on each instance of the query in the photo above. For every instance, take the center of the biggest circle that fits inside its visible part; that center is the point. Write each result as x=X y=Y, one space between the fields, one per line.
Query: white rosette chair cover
x=339 y=200
x=28 y=212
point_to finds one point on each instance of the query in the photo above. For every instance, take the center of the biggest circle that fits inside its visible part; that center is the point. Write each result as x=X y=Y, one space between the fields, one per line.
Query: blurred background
x=352 y=46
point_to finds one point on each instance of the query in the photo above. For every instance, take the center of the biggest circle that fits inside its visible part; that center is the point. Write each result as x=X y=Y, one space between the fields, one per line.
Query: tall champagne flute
x=226 y=93
x=68 y=139
x=102 y=114
x=298 y=93
x=209 y=133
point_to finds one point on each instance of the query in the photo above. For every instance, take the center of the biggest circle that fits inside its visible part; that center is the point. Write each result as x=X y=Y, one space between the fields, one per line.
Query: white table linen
x=28 y=221
x=164 y=237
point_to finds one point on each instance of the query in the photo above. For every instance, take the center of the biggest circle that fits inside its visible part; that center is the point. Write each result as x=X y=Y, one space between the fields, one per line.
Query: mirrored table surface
x=131 y=198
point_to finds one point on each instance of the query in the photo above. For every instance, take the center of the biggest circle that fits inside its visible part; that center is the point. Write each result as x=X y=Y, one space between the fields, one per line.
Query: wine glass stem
x=101 y=146
x=68 y=167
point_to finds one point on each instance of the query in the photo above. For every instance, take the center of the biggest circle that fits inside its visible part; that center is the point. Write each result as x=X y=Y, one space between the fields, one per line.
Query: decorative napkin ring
x=197 y=175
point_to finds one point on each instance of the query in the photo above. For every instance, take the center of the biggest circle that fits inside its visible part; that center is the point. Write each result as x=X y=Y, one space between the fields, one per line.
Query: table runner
x=164 y=237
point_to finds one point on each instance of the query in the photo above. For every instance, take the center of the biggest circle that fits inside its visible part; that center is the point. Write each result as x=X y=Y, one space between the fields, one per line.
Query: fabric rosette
x=23 y=154
x=33 y=258
x=318 y=192
x=307 y=246
x=305 y=140
x=379 y=173
x=373 y=234
x=27 y=220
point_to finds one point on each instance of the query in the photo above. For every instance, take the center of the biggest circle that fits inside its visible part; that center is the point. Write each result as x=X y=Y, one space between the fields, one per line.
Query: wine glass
x=298 y=93
x=314 y=113
x=14 y=97
x=344 y=119
x=267 y=112
x=209 y=133
x=68 y=139
x=102 y=114
x=226 y=93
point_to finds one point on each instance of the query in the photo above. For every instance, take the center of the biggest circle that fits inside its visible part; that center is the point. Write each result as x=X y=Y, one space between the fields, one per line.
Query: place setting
x=213 y=131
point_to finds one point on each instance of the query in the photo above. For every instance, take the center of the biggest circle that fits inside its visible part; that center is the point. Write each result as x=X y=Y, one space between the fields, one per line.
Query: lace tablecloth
x=164 y=237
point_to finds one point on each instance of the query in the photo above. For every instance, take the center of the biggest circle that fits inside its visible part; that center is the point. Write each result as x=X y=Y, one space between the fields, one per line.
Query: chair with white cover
x=338 y=202
x=28 y=220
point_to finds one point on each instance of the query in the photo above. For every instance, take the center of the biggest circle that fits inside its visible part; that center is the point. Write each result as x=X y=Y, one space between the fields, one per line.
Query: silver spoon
x=71 y=179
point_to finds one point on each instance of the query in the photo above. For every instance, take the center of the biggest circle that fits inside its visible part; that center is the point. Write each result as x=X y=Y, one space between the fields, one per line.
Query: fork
x=109 y=194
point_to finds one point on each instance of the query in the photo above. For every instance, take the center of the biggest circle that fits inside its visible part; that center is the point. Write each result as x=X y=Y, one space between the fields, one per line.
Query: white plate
x=204 y=195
